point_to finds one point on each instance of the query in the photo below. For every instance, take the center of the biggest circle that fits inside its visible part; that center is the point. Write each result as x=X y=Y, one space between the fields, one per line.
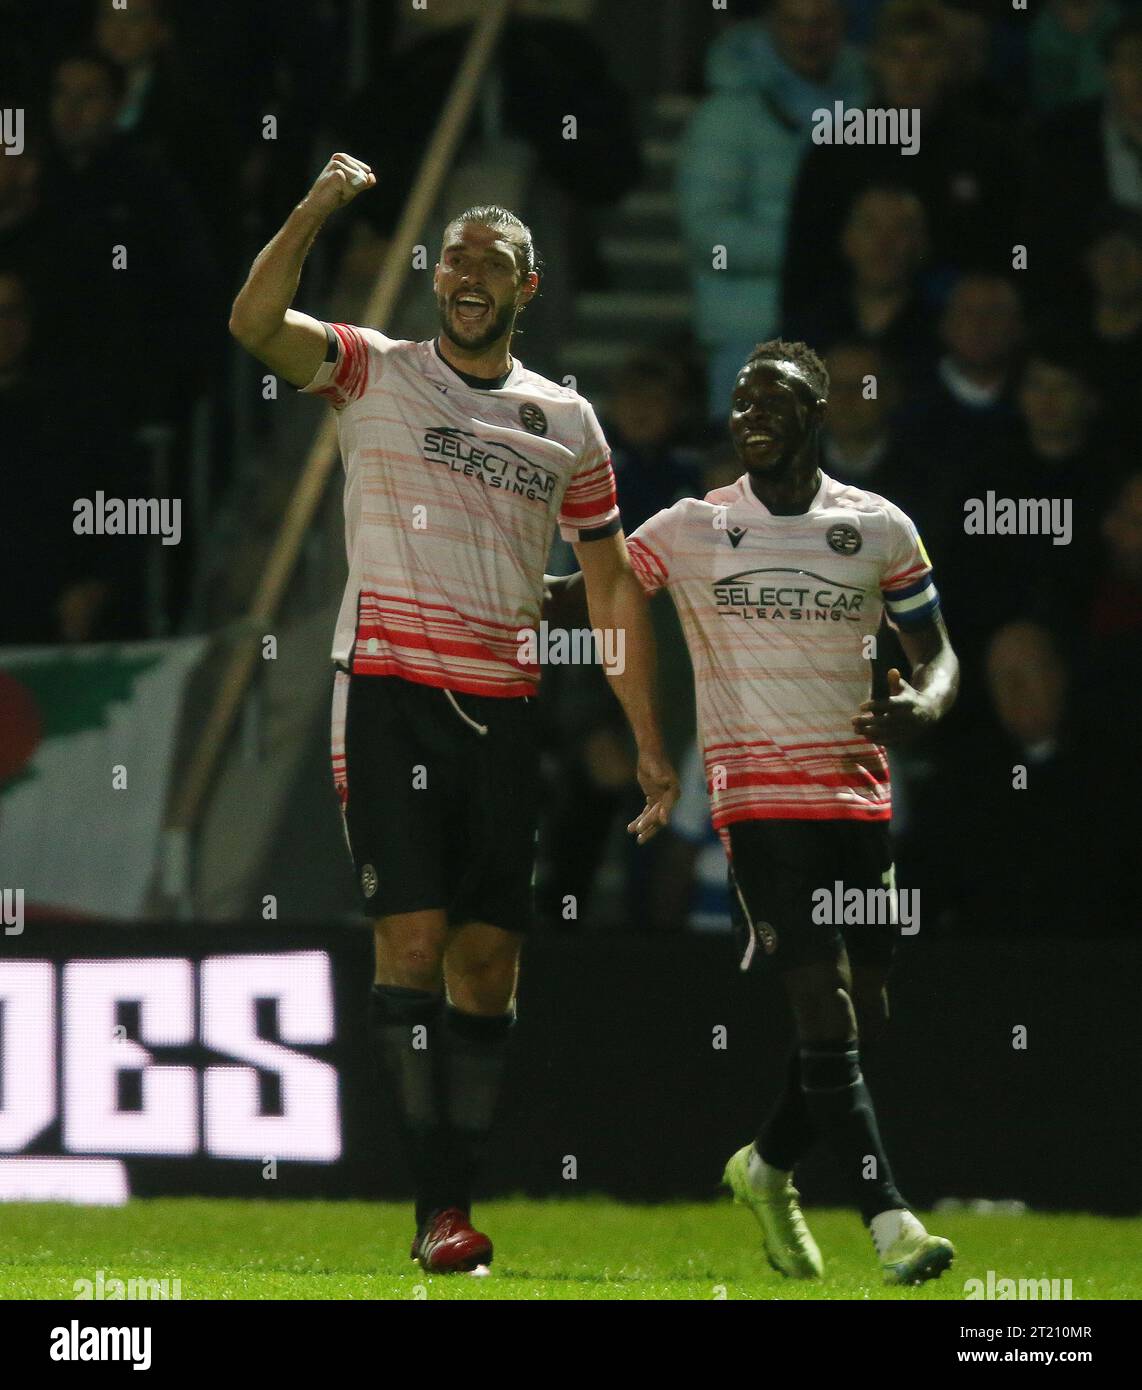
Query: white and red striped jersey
x=452 y=495
x=776 y=610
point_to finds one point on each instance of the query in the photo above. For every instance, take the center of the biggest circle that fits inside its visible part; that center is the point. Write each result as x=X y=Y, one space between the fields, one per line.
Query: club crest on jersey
x=532 y=418
x=736 y=535
x=843 y=538
x=369 y=881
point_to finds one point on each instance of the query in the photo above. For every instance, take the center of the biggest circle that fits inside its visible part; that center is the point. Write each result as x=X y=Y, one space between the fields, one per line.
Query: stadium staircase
x=648 y=303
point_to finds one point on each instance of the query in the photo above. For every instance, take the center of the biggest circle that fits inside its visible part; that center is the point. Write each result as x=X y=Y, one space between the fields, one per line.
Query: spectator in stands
x=15 y=330
x=271 y=75
x=21 y=232
x=864 y=392
x=986 y=53
x=548 y=66
x=27 y=34
x=982 y=330
x=55 y=585
x=1060 y=452
x=130 y=287
x=1106 y=699
x=646 y=422
x=737 y=165
x=1066 y=51
x=1028 y=683
x=1091 y=150
x=1035 y=779
x=883 y=242
x=1055 y=452
x=162 y=107
x=1111 y=318
x=960 y=414
x=1056 y=816
x=21 y=402
x=1116 y=608
x=961 y=171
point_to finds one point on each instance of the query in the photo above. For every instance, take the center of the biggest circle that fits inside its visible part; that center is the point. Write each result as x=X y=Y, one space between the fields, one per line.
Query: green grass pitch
x=569 y=1249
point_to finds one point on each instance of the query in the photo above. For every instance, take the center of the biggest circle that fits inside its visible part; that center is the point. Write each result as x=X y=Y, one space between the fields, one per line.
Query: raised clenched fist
x=339 y=183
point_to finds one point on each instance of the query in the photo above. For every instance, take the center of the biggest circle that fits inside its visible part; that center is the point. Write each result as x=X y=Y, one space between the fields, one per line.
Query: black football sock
x=477 y=1047
x=408 y=1047
x=841 y=1111
x=788 y=1133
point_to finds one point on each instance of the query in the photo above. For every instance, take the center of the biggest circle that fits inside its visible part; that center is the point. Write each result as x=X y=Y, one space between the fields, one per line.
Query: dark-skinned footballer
x=780 y=580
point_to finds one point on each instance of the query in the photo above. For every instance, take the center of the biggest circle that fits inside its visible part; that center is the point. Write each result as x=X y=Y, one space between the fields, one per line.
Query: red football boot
x=449 y=1244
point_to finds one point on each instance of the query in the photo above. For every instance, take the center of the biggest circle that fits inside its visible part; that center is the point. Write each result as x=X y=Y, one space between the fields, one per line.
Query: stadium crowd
x=989 y=284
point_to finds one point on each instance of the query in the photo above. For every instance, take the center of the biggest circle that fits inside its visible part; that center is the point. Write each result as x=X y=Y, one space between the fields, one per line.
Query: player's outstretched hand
x=339 y=183
x=659 y=782
x=902 y=717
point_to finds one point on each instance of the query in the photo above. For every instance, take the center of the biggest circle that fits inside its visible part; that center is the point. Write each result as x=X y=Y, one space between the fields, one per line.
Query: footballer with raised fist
x=459 y=464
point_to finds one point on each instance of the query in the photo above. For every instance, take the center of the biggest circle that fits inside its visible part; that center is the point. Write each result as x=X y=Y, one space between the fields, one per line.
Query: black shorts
x=437 y=813
x=784 y=897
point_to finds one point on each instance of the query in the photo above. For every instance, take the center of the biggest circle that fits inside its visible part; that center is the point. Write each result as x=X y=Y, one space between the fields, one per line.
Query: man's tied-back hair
x=508 y=225
x=802 y=356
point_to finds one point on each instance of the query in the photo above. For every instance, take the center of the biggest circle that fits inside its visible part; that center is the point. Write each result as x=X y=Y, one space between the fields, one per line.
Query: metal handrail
x=323 y=452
